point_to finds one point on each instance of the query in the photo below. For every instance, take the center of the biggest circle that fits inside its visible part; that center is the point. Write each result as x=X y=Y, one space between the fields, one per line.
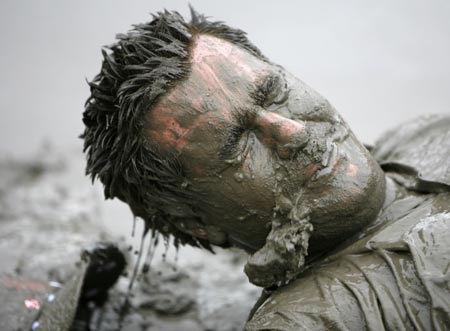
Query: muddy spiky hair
x=136 y=71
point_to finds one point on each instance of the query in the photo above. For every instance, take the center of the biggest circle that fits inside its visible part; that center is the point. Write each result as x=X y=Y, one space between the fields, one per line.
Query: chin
x=345 y=201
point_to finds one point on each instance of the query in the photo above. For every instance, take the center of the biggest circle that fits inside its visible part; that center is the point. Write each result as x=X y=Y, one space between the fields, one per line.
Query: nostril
x=284 y=152
x=297 y=142
x=290 y=149
x=285 y=135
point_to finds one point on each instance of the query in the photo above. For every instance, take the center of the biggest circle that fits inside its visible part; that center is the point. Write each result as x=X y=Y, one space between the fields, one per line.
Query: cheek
x=258 y=174
x=246 y=189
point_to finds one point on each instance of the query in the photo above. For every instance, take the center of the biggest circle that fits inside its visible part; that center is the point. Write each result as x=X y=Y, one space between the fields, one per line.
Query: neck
x=393 y=206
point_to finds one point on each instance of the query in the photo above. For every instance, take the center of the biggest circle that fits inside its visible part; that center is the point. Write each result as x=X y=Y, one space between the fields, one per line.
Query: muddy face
x=263 y=148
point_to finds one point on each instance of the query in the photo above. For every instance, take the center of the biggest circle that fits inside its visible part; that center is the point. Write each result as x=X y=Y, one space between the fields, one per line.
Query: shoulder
x=402 y=270
x=419 y=149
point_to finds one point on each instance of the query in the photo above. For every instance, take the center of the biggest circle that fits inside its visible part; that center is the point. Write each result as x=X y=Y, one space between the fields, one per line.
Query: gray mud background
x=49 y=213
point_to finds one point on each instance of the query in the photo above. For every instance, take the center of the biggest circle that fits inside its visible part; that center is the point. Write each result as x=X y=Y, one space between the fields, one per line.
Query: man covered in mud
x=210 y=142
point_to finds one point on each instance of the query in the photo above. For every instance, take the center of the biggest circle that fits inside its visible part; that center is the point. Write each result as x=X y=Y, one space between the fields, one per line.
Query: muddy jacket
x=396 y=277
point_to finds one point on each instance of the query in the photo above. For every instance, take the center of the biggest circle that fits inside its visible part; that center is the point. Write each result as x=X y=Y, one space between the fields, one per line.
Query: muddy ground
x=49 y=212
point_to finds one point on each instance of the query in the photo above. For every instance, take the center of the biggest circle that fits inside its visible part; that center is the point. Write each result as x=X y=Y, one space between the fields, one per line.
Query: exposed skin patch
x=312 y=169
x=352 y=170
x=172 y=136
x=278 y=131
x=204 y=48
x=197 y=103
x=284 y=127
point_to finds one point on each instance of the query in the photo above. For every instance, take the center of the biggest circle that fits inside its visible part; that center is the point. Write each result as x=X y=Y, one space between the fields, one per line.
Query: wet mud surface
x=50 y=213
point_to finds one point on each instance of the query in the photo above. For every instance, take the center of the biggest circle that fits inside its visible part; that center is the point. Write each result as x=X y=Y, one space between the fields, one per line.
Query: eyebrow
x=264 y=86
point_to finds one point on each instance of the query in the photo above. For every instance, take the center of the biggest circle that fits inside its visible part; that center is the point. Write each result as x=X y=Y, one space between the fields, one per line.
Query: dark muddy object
x=105 y=265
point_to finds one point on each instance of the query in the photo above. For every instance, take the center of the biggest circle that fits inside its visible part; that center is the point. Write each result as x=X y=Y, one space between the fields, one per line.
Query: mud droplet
x=239 y=177
x=278 y=177
x=284 y=204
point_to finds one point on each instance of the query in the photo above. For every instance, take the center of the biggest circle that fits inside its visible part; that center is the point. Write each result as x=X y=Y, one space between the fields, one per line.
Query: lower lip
x=332 y=162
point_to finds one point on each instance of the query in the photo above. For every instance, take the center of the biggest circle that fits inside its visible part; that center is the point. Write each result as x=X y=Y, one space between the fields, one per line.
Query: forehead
x=221 y=76
x=208 y=52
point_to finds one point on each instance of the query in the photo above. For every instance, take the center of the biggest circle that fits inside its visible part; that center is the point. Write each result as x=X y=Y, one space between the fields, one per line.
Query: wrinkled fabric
x=420 y=151
x=399 y=281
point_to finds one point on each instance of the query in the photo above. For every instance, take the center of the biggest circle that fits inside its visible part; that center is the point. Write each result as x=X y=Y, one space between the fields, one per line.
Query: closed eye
x=281 y=98
x=230 y=146
x=272 y=90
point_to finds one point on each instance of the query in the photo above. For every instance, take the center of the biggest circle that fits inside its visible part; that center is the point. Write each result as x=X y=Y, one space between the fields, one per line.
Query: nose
x=280 y=133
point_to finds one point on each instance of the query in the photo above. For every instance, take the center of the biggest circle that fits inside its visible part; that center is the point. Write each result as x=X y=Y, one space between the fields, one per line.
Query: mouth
x=329 y=161
x=332 y=154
